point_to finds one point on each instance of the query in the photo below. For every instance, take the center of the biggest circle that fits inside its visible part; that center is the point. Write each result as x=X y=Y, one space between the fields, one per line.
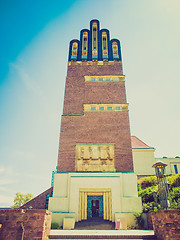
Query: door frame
x=107 y=202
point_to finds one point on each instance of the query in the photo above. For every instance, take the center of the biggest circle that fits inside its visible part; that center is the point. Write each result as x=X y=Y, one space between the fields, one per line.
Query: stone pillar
x=166 y=224
x=25 y=224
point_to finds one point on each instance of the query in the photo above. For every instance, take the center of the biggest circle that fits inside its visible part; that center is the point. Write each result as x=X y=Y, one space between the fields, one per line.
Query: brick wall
x=94 y=127
x=166 y=224
x=38 y=202
x=78 y=92
x=29 y=224
x=101 y=127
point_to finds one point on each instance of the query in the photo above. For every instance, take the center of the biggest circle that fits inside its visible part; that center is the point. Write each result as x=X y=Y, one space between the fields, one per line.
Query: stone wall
x=149 y=221
x=166 y=224
x=20 y=224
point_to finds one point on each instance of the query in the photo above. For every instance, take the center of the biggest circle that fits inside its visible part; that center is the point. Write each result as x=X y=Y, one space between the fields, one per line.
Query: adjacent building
x=143 y=159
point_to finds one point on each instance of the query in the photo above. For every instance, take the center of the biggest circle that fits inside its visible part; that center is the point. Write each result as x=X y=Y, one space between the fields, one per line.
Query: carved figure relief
x=92 y=157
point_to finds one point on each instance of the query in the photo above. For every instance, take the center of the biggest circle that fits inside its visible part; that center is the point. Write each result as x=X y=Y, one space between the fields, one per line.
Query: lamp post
x=163 y=188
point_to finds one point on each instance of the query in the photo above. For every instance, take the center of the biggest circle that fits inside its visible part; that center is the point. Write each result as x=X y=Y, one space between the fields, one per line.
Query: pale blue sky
x=34 y=45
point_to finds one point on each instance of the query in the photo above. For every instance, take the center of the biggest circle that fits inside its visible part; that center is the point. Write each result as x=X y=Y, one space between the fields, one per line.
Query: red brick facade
x=94 y=127
x=24 y=224
x=79 y=92
x=166 y=224
x=39 y=202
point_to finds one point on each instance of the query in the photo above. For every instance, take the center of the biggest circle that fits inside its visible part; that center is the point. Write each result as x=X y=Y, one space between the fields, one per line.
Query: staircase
x=100 y=229
x=95 y=224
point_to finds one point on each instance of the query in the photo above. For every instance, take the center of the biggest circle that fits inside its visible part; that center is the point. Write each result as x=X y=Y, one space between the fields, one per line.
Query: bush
x=174 y=180
x=139 y=187
x=150 y=206
x=146 y=187
x=175 y=198
x=175 y=204
x=175 y=194
x=148 y=181
x=54 y=225
x=147 y=194
x=139 y=220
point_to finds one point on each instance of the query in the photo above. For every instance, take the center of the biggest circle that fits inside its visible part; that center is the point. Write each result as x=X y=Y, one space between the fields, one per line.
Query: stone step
x=107 y=238
x=102 y=234
x=98 y=224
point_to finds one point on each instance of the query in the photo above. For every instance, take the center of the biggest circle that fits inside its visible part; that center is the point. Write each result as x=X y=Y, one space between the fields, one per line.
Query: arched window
x=104 y=45
x=84 y=45
x=94 y=40
x=115 y=50
x=74 y=50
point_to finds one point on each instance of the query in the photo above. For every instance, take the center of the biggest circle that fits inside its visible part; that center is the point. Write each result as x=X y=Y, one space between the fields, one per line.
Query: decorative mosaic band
x=104 y=78
x=105 y=107
x=81 y=63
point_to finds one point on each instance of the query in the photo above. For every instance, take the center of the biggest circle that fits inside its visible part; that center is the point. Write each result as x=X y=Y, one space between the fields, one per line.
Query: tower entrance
x=94 y=206
x=95 y=203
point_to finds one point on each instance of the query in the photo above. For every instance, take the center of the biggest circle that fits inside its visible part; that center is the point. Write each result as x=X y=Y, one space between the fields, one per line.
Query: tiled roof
x=137 y=143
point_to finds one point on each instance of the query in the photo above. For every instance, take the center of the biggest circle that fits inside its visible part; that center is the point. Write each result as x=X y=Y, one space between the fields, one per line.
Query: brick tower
x=95 y=123
x=95 y=167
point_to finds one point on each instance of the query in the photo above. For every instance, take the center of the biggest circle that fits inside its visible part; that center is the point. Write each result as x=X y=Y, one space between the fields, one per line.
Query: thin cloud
x=27 y=79
x=7 y=181
x=7 y=190
x=5 y=200
x=2 y=170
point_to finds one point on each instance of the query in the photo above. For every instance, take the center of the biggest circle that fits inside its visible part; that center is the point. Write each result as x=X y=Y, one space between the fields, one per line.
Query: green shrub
x=175 y=204
x=139 y=187
x=150 y=206
x=146 y=187
x=139 y=220
x=54 y=225
x=147 y=181
x=174 y=180
x=175 y=194
x=175 y=198
x=147 y=194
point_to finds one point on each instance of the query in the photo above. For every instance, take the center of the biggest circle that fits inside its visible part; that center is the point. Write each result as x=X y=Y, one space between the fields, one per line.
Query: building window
x=47 y=201
x=118 y=108
x=109 y=108
x=93 y=108
x=100 y=79
x=94 y=42
x=115 y=79
x=108 y=79
x=84 y=45
x=115 y=50
x=93 y=79
x=101 y=108
x=175 y=169
x=74 y=50
x=104 y=45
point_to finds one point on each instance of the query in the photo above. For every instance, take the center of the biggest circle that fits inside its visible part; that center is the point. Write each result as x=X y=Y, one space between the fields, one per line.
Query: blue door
x=94 y=206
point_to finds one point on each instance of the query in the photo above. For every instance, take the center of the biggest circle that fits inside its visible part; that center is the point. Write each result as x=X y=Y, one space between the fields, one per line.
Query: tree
x=21 y=199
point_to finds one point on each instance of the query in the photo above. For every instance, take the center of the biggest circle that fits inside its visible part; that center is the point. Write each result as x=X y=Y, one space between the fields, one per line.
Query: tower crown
x=95 y=44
